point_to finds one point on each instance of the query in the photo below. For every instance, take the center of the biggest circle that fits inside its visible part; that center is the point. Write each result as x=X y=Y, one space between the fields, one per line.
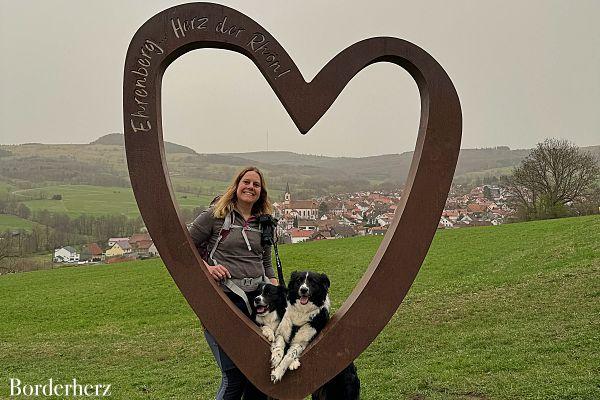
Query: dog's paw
x=268 y=333
x=277 y=374
x=295 y=364
x=276 y=356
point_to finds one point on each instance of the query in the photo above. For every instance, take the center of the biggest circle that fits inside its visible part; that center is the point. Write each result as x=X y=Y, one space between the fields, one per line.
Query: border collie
x=269 y=307
x=306 y=315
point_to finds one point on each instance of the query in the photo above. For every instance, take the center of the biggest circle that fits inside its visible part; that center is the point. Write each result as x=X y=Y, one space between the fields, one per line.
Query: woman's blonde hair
x=227 y=201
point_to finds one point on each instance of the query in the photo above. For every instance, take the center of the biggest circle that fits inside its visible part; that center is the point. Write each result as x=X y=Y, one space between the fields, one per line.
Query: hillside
x=94 y=200
x=14 y=223
x=379 y=167
x=102 y=163
x=507 y=312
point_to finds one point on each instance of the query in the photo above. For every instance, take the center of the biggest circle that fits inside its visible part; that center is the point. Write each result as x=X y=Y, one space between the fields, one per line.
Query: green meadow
x=12 y=222
x=5 y=188
x=97 y=200
x=506 y=312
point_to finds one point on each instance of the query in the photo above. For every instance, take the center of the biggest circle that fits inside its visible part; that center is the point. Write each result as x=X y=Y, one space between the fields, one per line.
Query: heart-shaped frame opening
x=376 y=297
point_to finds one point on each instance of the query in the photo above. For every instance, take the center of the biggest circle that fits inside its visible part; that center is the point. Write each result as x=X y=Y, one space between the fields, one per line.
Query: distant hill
x=111 y=139
x=283 y=158
x=118 y=139
x=103 y=163
x=394 y=167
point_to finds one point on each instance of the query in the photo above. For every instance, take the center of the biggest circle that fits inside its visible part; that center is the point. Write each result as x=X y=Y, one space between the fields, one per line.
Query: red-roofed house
x=91 y=252
x=300 y=235
x=452 y=215
x=139 y=237
x=476 y=208
x=146 y=249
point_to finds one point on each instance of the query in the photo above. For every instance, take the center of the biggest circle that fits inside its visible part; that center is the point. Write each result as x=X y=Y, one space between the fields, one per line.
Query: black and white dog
x=306 y=315
x=269 y=308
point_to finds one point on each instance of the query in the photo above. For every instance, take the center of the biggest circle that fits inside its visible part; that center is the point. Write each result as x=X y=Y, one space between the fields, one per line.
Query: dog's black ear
x=325 y=280
x=295 y=275
x=282 y=289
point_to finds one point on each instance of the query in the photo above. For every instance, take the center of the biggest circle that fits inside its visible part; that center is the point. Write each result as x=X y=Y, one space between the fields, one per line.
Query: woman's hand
x=274 y=281
x=218 y=272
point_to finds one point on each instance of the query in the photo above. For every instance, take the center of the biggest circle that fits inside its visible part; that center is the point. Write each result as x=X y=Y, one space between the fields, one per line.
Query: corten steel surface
x=177 y=30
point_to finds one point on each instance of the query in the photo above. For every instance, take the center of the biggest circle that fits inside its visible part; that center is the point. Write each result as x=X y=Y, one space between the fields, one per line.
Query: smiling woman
x=228 y=236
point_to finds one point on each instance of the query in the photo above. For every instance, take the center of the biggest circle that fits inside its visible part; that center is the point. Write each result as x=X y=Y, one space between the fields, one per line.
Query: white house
x=384 y=220
x=153 y=251
x=466 y=219
x=446 y=222
x=65 y=254
x=307 y=225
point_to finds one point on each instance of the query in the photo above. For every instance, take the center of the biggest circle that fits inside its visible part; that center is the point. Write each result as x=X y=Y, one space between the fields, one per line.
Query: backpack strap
x=228 y=283
x=225 y=228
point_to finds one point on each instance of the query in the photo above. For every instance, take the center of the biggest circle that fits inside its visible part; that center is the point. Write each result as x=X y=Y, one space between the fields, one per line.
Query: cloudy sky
x=524 y=70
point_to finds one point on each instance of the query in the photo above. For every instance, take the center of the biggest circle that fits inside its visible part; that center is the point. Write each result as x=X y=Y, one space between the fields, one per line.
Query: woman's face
x=248 y=190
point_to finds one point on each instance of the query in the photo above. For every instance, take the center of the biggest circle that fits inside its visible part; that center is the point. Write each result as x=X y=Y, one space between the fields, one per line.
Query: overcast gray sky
x=524 y=70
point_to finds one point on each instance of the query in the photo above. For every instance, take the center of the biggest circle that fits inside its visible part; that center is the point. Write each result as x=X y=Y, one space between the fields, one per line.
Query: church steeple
x=288 y=196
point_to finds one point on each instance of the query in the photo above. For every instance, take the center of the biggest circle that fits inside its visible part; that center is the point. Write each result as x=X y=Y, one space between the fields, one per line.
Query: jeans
x=233 y=383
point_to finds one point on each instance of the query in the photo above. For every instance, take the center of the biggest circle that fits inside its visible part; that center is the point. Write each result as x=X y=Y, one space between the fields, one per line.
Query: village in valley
x=371 y=213
x=331 y=217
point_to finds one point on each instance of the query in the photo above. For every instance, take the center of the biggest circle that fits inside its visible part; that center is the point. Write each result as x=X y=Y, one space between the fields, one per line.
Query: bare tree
x=554 y=175
x=7 y=250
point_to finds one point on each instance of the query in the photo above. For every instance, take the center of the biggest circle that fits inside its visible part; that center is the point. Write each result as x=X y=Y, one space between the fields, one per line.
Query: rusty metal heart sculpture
x=177 y=30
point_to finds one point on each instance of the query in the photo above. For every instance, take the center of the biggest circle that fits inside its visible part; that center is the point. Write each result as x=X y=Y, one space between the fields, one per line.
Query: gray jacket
x=232 y=251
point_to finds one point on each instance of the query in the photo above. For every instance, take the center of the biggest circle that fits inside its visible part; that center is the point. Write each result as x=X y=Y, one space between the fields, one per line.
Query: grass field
x=12 y=222
x=97 y=200
x=5 y=188
x=507 y=312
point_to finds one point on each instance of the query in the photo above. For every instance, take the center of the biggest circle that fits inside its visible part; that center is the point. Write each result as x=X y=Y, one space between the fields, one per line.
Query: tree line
x=18 y=243
x=97 y=227
x=46 y=169
x=12 y=207
x=58 y=229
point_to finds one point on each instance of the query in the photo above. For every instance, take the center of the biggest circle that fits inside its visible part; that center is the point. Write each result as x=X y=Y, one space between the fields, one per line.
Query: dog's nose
x=303 y=290
x=257 y=300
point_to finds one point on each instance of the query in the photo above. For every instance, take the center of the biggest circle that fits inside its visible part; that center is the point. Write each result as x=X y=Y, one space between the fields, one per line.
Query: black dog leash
x=269 y=236
x=278 y=262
